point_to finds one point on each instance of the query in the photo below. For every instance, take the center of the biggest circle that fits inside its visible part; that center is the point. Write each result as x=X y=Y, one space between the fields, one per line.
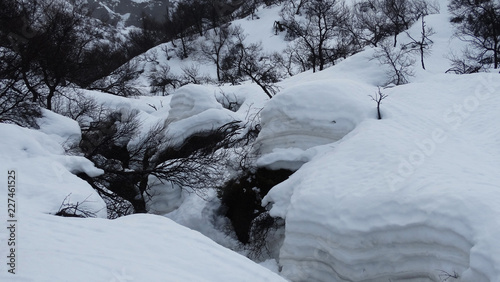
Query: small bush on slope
x=113 y=142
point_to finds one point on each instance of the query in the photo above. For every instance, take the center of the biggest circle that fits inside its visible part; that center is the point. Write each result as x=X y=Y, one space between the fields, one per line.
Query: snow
x=165 y=197
x=311 y=114
x=411 y=197
x=65 y=129
x=260 y=29
x=203 y=215
x=132 y=248
x=51 y=248
x=45 y=173
x=195 y=109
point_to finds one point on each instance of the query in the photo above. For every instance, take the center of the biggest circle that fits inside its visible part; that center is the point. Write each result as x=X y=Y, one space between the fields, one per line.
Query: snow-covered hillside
x=413 y=196
x=128 y=12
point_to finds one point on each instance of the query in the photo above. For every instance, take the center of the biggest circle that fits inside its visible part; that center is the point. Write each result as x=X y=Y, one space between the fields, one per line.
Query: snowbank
x=46 y=176
x=308 y=115
x=132 y=248
x=411 y=197
x=194 y=109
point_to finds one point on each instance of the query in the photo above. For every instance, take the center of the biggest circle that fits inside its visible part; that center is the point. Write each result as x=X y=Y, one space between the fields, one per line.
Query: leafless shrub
x=423 y=44
x=120 y=82
x=191 y=74
x=162 y=81
x=115 y=143
x=445 y=276
x=378 y=97
x=263 y=236
x=78 y=209
x=463 y=64
x=398 y=60
x=15 y=105
x=76 y=105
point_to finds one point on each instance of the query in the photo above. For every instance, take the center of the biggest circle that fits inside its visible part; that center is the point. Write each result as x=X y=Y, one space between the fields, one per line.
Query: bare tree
x=120 y=82
x=113 y=142
x=217 y=44
x=191 y=74
x=162 y=80
x=324 y=22
x=15 y=105
x=478 y=23
x=368 y=23
x=398 y=60
x=464 y=64
x=54 y=53
x=423 y=44
x=261 y=68
x=378 y=97
x=399 y=14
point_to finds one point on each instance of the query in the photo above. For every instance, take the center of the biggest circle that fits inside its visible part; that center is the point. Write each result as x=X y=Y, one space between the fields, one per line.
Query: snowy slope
x=405 y=197
x=256 y=30
x=411 y=197
x=134 y=248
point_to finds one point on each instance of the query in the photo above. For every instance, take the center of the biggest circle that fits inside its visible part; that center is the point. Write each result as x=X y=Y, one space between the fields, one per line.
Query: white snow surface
x=308 y=115
x=407 y=197
x=133 y=248
x=412 y=197
x=194 y=108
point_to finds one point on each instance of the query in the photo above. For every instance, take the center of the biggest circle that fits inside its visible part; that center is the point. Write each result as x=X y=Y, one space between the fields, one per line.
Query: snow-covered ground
x=412 y=197
x=133 y=248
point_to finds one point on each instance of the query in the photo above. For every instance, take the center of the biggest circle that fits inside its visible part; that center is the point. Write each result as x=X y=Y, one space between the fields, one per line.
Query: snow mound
x=164 y=197
x=412 y=197
x=46 y=177
x=309 y=115
x=131 y=248
x=191 y=100
x=195 y=109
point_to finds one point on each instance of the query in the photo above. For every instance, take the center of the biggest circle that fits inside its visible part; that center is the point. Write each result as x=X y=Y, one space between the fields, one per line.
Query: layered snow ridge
x=195 y=109
x=412 y=197
x=307 y=115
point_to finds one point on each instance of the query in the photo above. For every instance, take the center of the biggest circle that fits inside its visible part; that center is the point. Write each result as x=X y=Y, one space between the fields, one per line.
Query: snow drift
x=412 y=197
x=132 y=248
x=308 y=115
